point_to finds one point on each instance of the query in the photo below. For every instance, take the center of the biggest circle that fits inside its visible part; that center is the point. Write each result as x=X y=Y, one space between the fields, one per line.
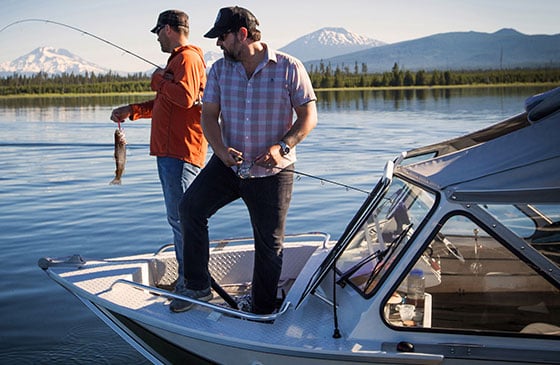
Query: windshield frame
x=398 y=246
x=373 y=199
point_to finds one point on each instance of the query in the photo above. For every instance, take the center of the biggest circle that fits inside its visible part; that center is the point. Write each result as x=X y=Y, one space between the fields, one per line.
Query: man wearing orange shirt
x=176 y=137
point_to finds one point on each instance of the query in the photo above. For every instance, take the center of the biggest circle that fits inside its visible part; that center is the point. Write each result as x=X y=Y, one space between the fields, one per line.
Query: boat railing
x=227 y=241
x=217 y=308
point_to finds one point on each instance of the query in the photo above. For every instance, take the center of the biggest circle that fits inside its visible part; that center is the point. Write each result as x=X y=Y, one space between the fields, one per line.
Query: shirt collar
x=270 y=54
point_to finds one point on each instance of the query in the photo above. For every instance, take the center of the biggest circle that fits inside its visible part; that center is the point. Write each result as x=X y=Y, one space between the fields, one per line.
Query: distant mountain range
x=506 y=48
x=337 y=47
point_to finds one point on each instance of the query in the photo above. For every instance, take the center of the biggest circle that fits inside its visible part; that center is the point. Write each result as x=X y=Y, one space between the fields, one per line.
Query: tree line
x=87 y=83
x=322 y=76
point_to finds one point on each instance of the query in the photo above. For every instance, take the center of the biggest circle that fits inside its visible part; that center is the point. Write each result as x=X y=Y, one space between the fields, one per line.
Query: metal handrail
x=326 y=236
x=217 y=308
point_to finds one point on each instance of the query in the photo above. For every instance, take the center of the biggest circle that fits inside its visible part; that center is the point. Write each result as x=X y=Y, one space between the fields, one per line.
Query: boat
x=453 y=257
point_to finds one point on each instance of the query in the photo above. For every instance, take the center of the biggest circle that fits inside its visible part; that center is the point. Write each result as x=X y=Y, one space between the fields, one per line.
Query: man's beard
x=230 y=56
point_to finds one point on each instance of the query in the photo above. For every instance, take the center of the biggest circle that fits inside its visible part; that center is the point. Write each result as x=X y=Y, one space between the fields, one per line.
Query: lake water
x=55 y=198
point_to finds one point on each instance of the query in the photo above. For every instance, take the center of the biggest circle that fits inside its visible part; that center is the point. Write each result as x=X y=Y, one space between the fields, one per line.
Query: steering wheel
x=453 y=249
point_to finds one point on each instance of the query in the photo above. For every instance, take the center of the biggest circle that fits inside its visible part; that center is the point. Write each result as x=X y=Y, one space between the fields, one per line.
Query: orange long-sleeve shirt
x=175 y=111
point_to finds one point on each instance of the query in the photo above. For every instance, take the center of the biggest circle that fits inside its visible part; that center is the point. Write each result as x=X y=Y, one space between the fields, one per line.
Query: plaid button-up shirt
x=257 y=112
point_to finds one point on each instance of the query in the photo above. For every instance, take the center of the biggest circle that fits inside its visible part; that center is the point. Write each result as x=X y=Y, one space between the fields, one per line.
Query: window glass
x=375 y=246
x=475 y=283
x=419 y=158
x=538 y=224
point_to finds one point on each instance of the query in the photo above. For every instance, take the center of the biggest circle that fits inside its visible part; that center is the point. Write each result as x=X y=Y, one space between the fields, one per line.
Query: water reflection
x=327 y=99
x=364 y=99
x=72 y=101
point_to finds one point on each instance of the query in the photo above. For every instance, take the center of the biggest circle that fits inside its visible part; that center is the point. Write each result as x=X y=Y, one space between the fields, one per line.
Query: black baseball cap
x=176 y=18
x=230 y=19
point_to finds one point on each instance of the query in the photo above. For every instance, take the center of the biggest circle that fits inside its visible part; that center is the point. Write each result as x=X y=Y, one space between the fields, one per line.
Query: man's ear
x=242 y=33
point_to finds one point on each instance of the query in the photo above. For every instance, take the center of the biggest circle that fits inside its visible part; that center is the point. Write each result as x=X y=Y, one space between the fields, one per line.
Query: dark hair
x=254 y=34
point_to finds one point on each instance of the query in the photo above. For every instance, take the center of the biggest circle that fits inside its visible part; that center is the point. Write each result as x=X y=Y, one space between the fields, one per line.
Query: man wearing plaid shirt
x=248 y=107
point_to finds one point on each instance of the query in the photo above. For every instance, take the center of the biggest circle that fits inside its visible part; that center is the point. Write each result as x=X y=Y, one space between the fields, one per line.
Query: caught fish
x=120 y=155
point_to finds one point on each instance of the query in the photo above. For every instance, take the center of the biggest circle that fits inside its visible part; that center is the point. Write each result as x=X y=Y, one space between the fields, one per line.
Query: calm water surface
x=55 y=198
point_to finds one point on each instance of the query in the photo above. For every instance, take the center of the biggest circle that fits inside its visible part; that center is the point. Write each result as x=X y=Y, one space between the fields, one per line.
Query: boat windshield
x=375 y=246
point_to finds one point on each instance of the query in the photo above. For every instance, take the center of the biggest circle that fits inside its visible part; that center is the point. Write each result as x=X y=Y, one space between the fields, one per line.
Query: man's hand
x=271 y=158
x=119 y=115
x=230 y=156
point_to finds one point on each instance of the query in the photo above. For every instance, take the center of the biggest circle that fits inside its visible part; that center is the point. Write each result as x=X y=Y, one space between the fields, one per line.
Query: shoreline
x=74 y=95
x=436 y=87
x=373 y=88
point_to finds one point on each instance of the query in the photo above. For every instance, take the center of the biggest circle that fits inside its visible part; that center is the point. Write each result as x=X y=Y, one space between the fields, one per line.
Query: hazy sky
x=128 y=23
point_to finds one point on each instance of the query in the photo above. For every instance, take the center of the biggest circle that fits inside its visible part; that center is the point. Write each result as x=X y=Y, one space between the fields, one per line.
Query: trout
x=120 y=155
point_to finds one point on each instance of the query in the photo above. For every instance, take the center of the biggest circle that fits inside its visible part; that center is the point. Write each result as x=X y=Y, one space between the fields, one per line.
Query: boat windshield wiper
x=388 y=252
x=377 y=254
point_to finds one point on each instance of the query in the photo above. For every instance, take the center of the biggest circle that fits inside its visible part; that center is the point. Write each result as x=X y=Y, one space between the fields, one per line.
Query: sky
x=127 y=23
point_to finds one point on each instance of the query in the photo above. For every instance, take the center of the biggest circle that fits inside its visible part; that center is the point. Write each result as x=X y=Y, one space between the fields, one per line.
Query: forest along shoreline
x=88 y=84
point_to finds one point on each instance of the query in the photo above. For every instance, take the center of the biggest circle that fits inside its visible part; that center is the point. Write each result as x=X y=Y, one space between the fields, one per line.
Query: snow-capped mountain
x=322 y=44
x=505 y=48
x=51 y=61
x=212 y=56
x=328 y=42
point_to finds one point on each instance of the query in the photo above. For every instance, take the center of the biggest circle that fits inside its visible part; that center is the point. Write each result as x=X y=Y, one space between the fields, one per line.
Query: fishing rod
x=348 y=187
x=81 y=31
x=243 y=172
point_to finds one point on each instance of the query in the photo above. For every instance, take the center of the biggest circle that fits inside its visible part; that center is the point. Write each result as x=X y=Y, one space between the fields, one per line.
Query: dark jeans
x=266 y=198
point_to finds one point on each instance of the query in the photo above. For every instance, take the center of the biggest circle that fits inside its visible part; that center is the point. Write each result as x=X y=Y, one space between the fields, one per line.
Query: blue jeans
x=175 y=176
x=266 y=198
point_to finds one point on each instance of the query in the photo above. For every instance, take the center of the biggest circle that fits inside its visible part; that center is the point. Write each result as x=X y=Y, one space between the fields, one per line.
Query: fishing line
x=81 y=31
x=348 y=187
x=243 y=172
